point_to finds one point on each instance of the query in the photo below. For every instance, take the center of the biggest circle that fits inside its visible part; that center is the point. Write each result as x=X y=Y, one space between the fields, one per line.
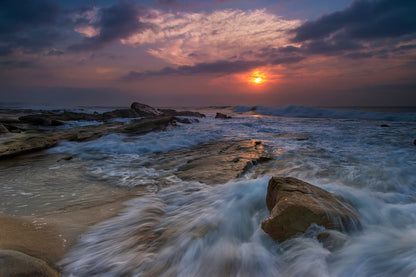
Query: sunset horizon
x=202 y=53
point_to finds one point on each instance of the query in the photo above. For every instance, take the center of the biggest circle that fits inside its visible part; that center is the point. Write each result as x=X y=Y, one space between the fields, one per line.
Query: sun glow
x=257 y=77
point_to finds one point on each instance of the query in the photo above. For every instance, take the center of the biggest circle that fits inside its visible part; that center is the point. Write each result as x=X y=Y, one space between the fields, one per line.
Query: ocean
x=192 y=228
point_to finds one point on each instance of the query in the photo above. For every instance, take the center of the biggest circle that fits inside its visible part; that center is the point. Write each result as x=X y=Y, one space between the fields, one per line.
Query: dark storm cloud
x=166 y=2
x=220 y=68
x=18 y=64
x=217 y=68
x=18 y=15
x=363 y=19
x=115 y=22
x=358 y=30
x=330 y=47
x=55 y=53
x=29 y=25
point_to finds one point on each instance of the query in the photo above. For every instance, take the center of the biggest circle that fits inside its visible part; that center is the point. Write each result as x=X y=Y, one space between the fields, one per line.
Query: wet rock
x=120 y=113
x=3 y=130
x=145 y=110
x=172 y=112
x=40 y=120
x=294 y=205
x=384 y=125
x=146 y=125
x=14 y=263
x=221 y=161
x=187 y=120
x=222 y=116
x=331 y=239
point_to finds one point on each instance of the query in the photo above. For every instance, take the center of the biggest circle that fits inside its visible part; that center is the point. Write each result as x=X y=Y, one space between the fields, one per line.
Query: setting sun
x=257 y=77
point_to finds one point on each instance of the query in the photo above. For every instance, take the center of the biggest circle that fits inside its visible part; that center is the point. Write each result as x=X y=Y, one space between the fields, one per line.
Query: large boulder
x=14 y=263
x=145 y=110
x=294 y=205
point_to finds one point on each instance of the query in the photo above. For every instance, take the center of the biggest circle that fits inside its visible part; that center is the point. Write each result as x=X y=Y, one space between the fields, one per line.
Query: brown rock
x=40 y=120
x=294 y=205
x=331 y=239
x=220 y=161
x=3 y=130
x=120 y=113
x=223 y=116
x=150 y=124
x=181 y=113
x=14 y=263
x=145 y=110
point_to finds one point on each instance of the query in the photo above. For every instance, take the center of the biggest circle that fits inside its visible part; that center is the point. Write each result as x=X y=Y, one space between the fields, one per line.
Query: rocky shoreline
x=35 y=244
x=24 y=134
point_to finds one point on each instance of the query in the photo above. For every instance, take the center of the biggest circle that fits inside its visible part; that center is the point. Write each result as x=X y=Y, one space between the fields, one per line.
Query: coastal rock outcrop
x=14 y=263
x=145 y=110
x=222 y=116
x=180 y=113
x=40 y=120
x=294 y=205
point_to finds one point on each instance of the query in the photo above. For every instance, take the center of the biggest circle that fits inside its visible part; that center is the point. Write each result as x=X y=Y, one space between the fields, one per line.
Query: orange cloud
x=192 y=38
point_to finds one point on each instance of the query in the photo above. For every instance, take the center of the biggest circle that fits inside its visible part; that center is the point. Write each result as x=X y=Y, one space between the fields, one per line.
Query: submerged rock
x=294 y=205
x=14 y=263
x=222 y=116
x=331 y=239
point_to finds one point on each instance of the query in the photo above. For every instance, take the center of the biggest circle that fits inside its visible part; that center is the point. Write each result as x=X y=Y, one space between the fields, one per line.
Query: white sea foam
x=191 y=229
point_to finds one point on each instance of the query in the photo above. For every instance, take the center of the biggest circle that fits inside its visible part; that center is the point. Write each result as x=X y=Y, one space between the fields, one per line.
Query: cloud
x=218 y=68
x=166 y=2
x=365 y=29
x=186 y=38
x=118 y=21
x=18 y=15
x=28 y=25
x=18 y=64
x=55 y=52
x=363 y=19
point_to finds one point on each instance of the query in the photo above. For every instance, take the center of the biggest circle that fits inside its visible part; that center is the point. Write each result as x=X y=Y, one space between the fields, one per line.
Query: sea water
x=194 y=229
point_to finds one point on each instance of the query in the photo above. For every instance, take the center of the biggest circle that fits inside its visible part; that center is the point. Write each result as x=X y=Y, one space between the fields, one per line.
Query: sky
x=208 y=52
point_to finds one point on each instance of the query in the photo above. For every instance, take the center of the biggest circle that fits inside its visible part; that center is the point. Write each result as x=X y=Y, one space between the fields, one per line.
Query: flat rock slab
x=294 y=205
x=14 y=263
x=17 y=144
x=215 y=162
